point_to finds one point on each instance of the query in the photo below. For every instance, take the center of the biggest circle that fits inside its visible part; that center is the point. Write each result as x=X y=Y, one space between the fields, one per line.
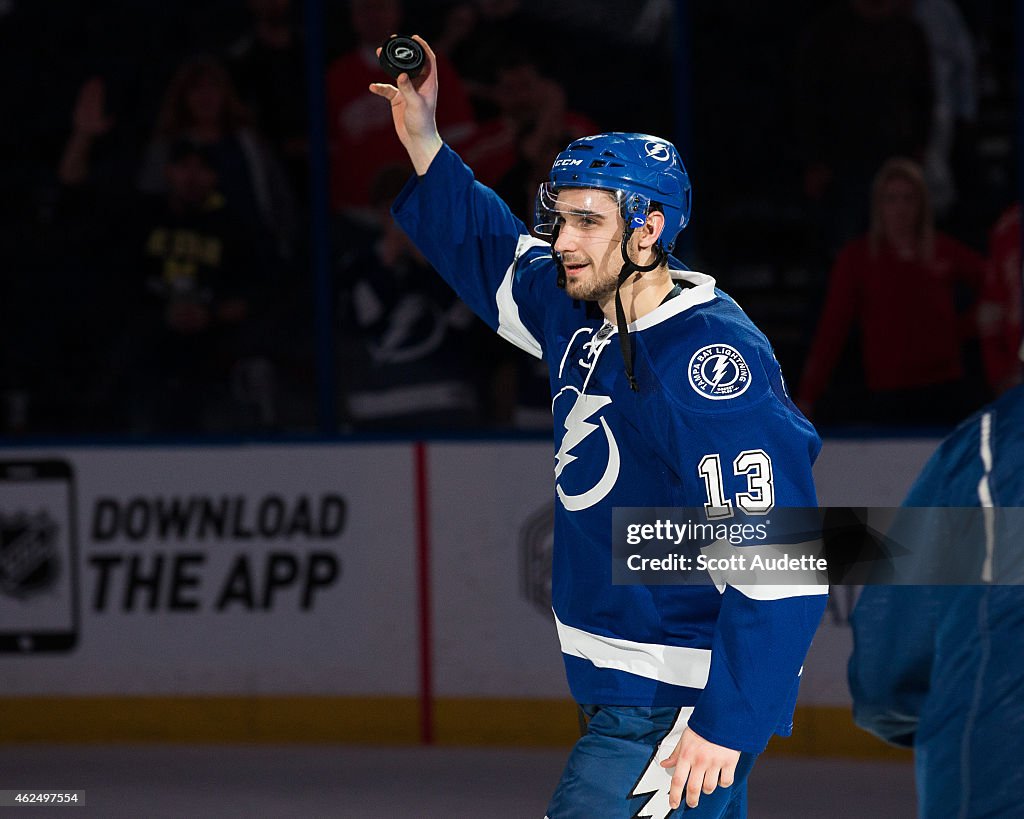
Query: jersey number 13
x=759 y=499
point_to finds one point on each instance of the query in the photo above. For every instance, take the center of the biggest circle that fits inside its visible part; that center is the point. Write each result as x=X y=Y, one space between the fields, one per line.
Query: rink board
x=307 y=593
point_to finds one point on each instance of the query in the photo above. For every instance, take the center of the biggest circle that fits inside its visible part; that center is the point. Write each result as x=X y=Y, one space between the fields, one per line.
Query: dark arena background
x=275 y=507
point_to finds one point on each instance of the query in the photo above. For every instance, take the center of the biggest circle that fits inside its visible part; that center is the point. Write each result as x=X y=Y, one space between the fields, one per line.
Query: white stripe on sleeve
x=985 y=496
x=761 y=591
x=510 y=325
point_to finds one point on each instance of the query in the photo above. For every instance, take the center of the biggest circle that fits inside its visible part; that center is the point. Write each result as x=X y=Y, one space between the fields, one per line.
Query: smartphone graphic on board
x=38 y=557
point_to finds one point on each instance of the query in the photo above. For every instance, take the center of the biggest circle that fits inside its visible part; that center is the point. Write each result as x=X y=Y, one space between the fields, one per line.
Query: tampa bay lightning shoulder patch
x=718 y=372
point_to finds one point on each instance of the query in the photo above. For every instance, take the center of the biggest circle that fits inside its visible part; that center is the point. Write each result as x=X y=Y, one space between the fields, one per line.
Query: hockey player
x=683 y=686
x=939 y=668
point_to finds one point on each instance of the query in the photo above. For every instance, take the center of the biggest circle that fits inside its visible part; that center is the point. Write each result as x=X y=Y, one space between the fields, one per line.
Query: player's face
x=589 y=234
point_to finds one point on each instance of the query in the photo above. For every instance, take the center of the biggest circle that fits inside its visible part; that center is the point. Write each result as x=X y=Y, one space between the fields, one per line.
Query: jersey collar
x=701 y=290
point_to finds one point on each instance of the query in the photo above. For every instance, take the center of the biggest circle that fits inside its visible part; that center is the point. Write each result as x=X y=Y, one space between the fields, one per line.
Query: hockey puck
x=401 y=55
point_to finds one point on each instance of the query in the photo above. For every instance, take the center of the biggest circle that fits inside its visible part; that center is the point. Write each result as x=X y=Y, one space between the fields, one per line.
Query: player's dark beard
x=593 y=287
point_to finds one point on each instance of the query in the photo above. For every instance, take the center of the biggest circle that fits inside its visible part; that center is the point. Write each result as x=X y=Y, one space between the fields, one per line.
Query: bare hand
x=700 y=766
x=413 y=106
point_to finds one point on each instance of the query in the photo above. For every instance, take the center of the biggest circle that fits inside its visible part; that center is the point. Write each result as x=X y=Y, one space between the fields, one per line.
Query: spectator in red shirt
x=361 y=134
x=899 y=286
x=1001 y=310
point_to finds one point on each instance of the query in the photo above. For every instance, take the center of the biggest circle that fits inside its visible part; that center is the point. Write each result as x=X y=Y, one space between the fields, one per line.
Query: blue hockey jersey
x=711 y=397
x=940 y=668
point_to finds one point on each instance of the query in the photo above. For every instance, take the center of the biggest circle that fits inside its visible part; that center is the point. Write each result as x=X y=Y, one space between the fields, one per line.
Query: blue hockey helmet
x=636 y=169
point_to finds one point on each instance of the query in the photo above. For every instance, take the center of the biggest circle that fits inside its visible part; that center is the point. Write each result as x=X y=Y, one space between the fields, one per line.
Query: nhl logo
x=536 y=540
x=29 y=562
x=718 y=372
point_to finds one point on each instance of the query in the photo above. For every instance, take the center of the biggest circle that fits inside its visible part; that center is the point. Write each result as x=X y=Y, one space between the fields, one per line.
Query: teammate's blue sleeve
x=481 y=249
x=763 y=632
x=894 y=627
x=889 y=670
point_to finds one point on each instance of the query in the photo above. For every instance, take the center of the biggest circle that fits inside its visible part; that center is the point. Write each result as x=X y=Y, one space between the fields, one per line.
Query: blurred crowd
x=855 y=189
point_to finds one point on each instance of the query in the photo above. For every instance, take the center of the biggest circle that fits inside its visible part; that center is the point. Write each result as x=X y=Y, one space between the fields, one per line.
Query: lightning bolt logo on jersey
x=719 y=372
x=582 y=420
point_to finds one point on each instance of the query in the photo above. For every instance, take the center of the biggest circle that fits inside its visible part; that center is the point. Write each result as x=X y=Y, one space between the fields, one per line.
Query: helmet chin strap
x=629 y=267
x=557 y=257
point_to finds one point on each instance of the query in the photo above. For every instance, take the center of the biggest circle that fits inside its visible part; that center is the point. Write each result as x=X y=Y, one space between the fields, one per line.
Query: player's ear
x=652 y=229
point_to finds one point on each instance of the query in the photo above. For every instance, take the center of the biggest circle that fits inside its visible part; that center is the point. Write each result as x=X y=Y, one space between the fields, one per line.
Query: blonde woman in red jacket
x=898 y=285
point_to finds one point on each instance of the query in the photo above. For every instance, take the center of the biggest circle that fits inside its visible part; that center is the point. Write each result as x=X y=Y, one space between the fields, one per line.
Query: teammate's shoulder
x=1007 y=418
x=998 y=425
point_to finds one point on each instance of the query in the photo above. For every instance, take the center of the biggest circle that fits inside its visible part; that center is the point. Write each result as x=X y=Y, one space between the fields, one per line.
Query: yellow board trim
x=819 y=730
x=209 y=720
x=531 y=723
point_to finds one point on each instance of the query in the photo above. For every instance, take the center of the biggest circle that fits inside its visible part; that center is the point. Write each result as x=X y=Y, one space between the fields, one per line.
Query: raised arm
x=414 y=109
x=463 y=228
